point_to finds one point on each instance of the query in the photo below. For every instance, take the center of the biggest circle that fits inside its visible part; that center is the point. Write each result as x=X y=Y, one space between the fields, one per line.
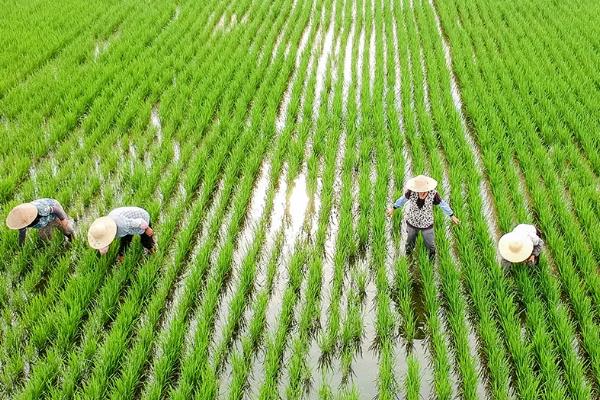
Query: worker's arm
x=142 y=223
x=402 y=200
x=144 y=227
x=22 y=233
x=57 y=210
x=398 y=203
x=537 y=247
x=446 y=209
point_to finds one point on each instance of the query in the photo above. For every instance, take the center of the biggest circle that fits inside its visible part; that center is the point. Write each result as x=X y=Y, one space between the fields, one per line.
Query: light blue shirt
x=130 y=220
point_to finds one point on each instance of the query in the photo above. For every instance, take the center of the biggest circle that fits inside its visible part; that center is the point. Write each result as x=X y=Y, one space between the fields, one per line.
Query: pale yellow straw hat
x=102 y=232
x=515 y=247
x=421 y=183
x=21 y=216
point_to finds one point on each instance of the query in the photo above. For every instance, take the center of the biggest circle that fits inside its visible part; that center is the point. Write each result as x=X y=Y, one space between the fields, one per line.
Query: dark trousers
x=428 y=237
x=147 y=242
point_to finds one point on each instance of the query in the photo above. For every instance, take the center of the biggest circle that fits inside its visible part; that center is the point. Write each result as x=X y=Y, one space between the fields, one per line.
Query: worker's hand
x=455 y=220
x=390 y=212
x=149 y=231
x=103 y=250
x=120 y=258
x=531 y=259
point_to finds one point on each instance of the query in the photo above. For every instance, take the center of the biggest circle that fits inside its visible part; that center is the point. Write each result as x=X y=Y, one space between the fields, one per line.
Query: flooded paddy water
x=268 y=160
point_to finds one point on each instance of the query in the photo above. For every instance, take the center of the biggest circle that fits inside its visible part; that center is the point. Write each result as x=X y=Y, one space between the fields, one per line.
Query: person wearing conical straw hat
x=522 y=244
x=43 y=214
x=123 y=223
x=421 y=196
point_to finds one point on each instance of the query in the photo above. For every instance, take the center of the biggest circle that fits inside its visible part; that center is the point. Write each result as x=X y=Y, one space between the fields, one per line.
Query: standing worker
x=522 y=244
x=42 y=214
x=122 y=222
x=421 y=196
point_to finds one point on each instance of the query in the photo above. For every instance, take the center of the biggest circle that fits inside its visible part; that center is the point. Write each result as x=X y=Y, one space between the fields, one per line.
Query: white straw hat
x=515 y=247
x=21 y=216
x=102 y=232
x=421 y=183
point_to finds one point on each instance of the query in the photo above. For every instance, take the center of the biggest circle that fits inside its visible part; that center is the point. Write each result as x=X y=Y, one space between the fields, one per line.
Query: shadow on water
x=417 y=346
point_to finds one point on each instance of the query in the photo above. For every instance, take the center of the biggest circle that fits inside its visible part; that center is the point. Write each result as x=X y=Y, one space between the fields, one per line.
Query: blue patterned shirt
x=48 y=211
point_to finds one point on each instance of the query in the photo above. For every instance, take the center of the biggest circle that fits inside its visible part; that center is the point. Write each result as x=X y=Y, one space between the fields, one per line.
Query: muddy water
x=297 y=206
x=332 y=233
x=420 y=346
x=278 y=212
x=255 y=211
x=226 y=23
x=255 y=214
x=366 y=365
x=156 y=124
x=277 y=224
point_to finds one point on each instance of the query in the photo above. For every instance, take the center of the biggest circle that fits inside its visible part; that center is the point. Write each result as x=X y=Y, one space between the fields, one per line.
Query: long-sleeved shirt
x=532 y=233
x=48 y=210
x=130 y=220
x=437 y=200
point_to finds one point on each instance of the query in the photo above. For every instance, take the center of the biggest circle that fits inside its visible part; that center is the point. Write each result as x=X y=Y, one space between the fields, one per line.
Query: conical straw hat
x=515 y=247
x=421 y=183
x=102 y=232
x=21 y=216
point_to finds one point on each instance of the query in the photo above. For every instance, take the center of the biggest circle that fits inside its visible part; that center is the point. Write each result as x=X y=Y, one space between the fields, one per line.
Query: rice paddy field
x=267 y=139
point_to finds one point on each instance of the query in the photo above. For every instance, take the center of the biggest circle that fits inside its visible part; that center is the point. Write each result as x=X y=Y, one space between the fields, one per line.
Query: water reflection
x=297 y=205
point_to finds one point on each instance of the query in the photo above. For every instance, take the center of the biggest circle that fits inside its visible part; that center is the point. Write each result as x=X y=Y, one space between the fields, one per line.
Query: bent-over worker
x=122 y=222
x=43 y=214
x=522 y=244
x=421 y=196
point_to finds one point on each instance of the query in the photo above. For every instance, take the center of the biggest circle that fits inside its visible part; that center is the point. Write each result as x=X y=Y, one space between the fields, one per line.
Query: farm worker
x=421 y=196
x=522 y=244
x=42 y=214
x=122 y=222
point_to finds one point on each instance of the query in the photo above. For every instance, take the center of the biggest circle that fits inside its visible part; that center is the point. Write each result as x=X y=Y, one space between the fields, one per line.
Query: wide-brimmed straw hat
x=421 y=183
x=102 y=232
x=515 y=247
x=21 y=216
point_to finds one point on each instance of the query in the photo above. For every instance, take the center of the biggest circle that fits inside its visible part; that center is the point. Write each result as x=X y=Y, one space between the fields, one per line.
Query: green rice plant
x=68 y=119
x=544 y=228
x=197 y=358
x=444 y=88
x=51 y=180
x=541 y=341
x=241 y=360
x=413 y=380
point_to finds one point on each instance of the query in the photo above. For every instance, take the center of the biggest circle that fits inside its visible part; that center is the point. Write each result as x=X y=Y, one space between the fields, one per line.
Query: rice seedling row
x=266 y=139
